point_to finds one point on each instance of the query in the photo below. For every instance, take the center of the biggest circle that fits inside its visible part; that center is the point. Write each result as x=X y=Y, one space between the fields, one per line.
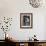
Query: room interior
x=22 y=23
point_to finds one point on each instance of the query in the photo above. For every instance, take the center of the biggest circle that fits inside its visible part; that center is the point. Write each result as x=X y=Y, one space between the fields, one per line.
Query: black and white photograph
x=26 y=20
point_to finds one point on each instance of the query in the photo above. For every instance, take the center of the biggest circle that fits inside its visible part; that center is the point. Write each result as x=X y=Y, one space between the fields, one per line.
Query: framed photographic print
x=26 y=20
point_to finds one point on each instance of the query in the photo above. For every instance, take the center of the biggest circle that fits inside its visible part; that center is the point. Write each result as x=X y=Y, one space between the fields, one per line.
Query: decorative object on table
x=36 y=3
x=26 y=20
x=35 y=38
x=6 y=24
x=30 y=39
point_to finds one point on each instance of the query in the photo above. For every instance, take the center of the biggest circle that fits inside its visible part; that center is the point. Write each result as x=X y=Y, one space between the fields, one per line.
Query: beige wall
x=13 y=8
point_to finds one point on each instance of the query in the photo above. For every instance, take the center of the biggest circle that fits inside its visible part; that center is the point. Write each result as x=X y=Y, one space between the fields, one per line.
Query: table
x=26 y=42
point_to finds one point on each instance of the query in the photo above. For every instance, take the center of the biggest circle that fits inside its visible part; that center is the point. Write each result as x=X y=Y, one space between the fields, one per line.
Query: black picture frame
x=26 y=20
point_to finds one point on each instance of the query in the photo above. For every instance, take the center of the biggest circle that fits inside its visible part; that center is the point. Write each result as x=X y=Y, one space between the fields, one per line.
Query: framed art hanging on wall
x=26 y=20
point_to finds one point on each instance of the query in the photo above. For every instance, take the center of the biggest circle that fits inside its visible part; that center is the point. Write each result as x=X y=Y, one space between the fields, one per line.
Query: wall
x=13 y=8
